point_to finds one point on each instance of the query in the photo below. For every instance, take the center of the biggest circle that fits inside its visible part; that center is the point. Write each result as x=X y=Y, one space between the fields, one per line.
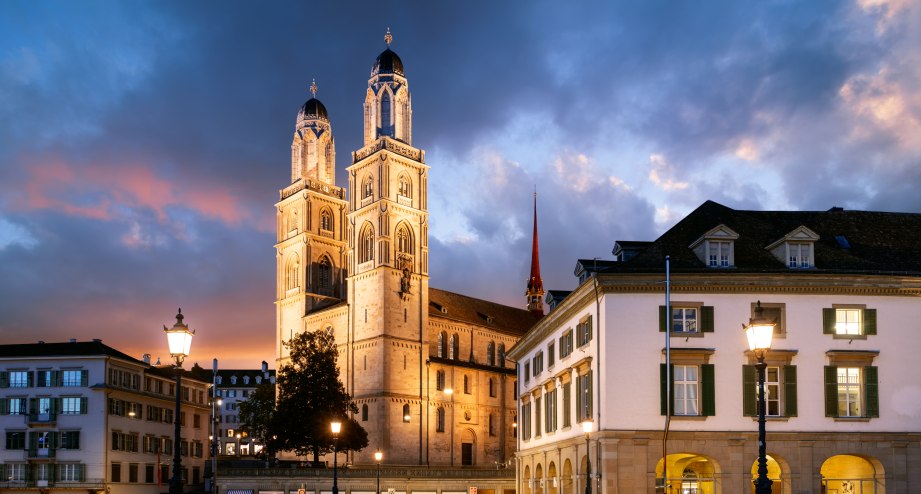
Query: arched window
x=364 y=412
x=492 y=388
x=442 y=344
x=292 y=270
x=406 y=416
x=466 y=385
x=367 y=188
x=501 y=355
x=492 y=425
x=366 y=244
x=491 y=353
x=292 y=221
x=233 y=379
x=406 y=187
x=326 y=220
x=440 y=380
x=386 y=128
x=404 y=240
x=245 y=379
x=325 y=275
x=452 y=347
x=440 y=420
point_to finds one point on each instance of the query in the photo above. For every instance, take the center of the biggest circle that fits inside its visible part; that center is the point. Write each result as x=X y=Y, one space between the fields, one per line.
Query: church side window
x=440 y=420
x=325 y=274
x=366 y=246
x=491 y=353
x=453 y=347
x=501 y=355
x=442 y=344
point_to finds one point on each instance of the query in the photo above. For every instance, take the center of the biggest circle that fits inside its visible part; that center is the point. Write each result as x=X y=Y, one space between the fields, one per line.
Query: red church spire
x=535 y=291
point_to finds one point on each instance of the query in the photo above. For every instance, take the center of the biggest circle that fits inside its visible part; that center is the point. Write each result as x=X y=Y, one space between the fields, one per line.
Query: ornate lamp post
x=336 y=427
x=378 y=456
x=179 y=338
x=587 y=428
x=760 y=332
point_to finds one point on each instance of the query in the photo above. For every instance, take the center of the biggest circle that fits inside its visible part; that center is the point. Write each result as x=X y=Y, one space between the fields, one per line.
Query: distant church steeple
x=535 y=291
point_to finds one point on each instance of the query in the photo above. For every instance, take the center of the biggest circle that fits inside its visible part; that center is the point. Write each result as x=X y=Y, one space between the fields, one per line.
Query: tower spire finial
x=535 y=290
x=388 y=37
x=313 y=88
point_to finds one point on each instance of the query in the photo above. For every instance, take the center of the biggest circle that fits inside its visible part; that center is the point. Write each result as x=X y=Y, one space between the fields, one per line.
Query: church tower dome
x=313 y=149
x=388 y=106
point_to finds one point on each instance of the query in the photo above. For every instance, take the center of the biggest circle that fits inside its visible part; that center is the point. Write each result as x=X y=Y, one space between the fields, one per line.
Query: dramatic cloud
x=145 y=143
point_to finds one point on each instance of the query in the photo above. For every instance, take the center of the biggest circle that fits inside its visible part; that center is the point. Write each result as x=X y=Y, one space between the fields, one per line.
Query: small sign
x=471 y=490
x=302 y=491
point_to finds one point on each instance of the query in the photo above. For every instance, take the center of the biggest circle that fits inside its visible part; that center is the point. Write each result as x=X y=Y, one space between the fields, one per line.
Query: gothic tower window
x=455 y=350
x=367 y=188
x=292 y=270
x=386 y=128
x=406 y=187
x=325 y=275
x=366 y=244
x=404 y=240
x=326 y=220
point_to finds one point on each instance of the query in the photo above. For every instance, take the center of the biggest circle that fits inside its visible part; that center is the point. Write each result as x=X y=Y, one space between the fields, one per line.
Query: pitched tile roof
x=450 y=305
x=849 y=241
x=65 y=349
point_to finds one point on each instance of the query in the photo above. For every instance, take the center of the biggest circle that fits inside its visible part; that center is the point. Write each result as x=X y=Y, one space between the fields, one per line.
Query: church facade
x=426 y=367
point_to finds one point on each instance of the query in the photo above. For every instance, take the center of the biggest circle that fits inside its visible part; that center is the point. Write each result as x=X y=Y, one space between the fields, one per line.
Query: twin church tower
x=426 y=367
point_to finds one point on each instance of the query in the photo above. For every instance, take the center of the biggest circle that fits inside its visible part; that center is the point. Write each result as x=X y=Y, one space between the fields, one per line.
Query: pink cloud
x=104 y=191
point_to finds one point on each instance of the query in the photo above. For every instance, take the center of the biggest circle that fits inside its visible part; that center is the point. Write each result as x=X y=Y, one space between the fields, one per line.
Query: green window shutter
x=831 y=391
x=41 y=382
x=4 y=379
x=30 y=379
x=749 y=386
x=663 y=323
x=869 y=321
x=663 y=380
x=84 y=378
x=706 y=319
x=828 y=322
x=871 y=379
x=83 y=405
x=33 y=439
x=56 y=378
x=707 y=391
x=33 y=405
x=4 y=406
x=789 y=390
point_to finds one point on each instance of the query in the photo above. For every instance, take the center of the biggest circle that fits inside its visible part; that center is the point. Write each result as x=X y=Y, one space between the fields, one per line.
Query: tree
x=310 y=397
x=257 y=413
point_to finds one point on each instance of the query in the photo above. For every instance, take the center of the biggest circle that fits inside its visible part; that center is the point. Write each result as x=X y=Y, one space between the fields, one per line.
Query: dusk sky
x=144 y=143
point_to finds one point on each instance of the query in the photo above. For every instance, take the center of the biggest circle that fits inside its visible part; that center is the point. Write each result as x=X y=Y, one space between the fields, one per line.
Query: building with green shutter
x=82 y=416
x=843 y=402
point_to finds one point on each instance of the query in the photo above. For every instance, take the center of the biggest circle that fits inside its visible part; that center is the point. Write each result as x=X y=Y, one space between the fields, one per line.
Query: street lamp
x=587 y=428
x=179 y=338
x=378 y=456
x=760 y=332
x=336 y=427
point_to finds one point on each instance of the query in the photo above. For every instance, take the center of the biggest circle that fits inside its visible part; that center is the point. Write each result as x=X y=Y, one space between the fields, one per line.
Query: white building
x=84 y=416
x=235 y=386
x=844 y=403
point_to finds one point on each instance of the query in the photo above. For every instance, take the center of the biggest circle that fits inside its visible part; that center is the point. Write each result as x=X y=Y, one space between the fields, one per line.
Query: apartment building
x=843 y=404
x=81 y=415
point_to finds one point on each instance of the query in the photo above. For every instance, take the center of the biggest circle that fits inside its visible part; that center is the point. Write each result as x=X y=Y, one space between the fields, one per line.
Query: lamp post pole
x=378 y=456
x=760 y=333
x=587 y=427
x=762 y=484
x=335 y=427
x=179 y=338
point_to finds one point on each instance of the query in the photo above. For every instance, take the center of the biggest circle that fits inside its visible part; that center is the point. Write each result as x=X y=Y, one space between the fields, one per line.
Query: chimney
x=146 y=358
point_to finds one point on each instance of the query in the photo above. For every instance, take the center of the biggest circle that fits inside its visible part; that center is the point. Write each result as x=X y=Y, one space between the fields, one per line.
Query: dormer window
x=716 y=248
x=796 y=249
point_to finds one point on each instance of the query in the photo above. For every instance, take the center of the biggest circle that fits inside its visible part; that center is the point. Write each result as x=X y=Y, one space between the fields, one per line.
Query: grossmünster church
x=425 y=366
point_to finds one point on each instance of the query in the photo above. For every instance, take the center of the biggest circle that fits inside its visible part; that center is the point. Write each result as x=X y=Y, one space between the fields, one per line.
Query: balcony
x=40 y=453
x=34 y=418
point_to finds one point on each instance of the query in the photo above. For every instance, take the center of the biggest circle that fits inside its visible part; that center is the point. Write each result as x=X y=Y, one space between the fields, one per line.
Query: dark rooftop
x=481 y=312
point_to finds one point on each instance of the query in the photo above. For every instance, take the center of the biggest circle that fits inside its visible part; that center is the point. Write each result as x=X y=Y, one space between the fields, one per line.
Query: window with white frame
x=799 y=255
x=567 y=401
x=685 y=383
x=70 y=472
x=550 y=411
x=718 y=253
x=851 y=385
x=584 y=331
x=849 y=321
x=19 y=379
x=584 y=396
x=684 y=320
x=566 y=344
x=849 y=391
x=73 y=378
